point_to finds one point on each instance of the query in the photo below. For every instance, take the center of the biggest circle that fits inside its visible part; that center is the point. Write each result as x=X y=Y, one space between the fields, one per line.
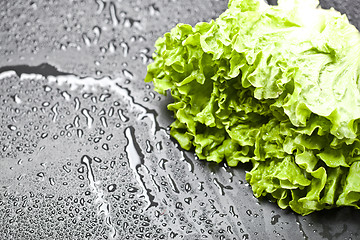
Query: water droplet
x=62 y=47
x=122 y=116
x=12 y=127
x=45 y=104
x=154 y=10
x=187 y=187
x=232 y=212
x=41 y=174
x=162 y=162
x=142 y=39
x=77 y=104
x=173 y=234
x=188 y=200
x=220 y=186
x=109 y=137
x=97 y=32
x=111 y=46
x=274 y=219
x=79 y=133
x=66 y=95
x=128 y=74
x=125 y=48
x=152 y=95
x=86 y=40
x=98 y=72
x=105 y=146
x=55 y=112
x=101 y=6
x=249 y=212
x=158 y=146
x=111 y=188
x=132 y=189
x=44 y=135
x=144 y=58
x=132 y=38
x=16 y=99
x=127 y=23
x=113 y=15
x=201 y=186
x=245 y=237
x=111 y=112
x=86 y=160
x=66 y=169
x=149 y=148
x=103 y=121
x=94 y=100
x=103 y=50
x=52 y=181
x=89 y=118
x=132 y=149
x=173 y=184
x=76 y=121
x=68 y=126
x=104 y=96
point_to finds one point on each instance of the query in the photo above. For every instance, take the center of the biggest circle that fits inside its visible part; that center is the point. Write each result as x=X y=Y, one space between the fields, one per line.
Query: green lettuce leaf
x=277 y=86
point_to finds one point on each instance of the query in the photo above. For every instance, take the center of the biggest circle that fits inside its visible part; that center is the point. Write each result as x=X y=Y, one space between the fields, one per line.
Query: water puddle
x=103 y=205
x=136 y=157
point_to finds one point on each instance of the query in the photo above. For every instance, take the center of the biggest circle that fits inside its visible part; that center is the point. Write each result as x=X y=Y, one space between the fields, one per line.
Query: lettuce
x=277 y=86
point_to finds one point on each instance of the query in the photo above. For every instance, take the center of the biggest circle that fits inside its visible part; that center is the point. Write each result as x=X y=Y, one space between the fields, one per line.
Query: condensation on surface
x=72 y=167
x=53 y=138
x=85 y=151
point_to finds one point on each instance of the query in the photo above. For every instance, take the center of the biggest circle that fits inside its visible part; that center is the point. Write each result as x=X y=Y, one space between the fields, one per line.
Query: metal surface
x=85 y=151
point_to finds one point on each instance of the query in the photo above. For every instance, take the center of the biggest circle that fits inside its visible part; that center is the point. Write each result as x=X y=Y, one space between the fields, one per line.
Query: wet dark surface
x=85 y=151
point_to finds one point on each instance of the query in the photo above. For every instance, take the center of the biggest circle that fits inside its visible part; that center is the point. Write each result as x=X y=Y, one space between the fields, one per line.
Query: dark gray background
x=72 y=169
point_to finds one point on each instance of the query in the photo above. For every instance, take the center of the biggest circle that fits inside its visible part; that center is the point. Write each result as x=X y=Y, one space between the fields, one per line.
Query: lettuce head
x=276 y=86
